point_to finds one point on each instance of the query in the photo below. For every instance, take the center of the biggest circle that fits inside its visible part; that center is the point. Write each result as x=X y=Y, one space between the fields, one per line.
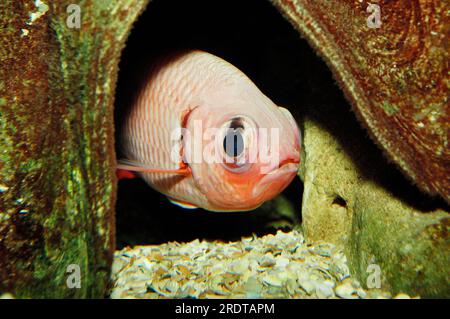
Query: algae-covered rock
x=395 y=76
x=57 y=183
x=354 y=198
x=391 y=60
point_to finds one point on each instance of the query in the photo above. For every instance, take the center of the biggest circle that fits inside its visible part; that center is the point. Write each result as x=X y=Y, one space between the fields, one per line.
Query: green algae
x=57 y=87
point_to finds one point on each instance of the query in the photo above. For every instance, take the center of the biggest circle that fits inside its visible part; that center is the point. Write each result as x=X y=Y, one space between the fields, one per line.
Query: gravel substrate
x=273 y=266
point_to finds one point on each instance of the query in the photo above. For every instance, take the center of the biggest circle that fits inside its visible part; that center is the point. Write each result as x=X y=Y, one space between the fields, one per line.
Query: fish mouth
x=277 y=179
x=287 y=161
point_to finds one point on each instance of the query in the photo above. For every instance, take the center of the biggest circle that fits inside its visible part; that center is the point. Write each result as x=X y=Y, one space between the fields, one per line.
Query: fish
x=200 y=132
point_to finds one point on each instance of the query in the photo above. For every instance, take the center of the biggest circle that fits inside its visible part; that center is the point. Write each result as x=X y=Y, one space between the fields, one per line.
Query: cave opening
x=253 y=36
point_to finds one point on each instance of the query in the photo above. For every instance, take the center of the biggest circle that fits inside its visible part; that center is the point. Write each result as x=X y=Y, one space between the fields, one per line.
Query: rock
x=273 y=280
x=267 y=261
x=253 y=288
x=324 y=289
x=281 y=262
x=353 y=197
x=305 y=283
x=392 y=74
x=57 y=178
x=346 y=291
x=361 y=293
x=176 y=275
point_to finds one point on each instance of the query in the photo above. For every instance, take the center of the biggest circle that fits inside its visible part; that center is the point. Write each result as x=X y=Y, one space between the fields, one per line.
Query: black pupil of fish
x=233 y=143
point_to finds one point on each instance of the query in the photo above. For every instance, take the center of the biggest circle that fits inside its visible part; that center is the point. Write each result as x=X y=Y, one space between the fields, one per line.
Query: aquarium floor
x=272 y=266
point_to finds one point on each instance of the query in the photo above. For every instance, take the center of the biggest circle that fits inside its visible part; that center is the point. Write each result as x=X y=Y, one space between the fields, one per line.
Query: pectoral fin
x=134 y=166
x=124 y=174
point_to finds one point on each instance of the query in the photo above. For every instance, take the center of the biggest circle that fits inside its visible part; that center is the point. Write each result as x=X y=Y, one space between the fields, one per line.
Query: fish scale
x=192 y=87
x=151 y=122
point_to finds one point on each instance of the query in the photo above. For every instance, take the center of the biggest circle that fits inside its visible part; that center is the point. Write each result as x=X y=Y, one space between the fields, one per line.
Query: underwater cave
x=254 y=37
x=372 y=190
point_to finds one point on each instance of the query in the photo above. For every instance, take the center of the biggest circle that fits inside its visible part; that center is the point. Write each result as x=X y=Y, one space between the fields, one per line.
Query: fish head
x=244 y=151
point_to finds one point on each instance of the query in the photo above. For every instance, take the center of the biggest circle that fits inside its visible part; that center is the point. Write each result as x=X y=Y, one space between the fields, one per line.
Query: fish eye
x=233 y=142
x=238 y=144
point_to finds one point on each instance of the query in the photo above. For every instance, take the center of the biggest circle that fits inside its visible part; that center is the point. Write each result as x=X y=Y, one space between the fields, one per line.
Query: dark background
x=253 y=36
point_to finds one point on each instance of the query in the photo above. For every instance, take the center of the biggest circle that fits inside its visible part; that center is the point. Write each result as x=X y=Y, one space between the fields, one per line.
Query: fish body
x=196 y=130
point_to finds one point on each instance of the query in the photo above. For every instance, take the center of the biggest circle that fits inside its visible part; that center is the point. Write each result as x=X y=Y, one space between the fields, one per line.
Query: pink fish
x=204 y=135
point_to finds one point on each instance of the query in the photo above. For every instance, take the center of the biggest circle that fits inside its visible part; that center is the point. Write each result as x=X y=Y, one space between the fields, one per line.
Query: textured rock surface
x=395 y=76
x=57 y=152
x=272 y=266
x=354 y=198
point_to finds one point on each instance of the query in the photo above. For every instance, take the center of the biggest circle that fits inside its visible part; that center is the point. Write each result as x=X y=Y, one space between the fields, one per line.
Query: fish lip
x=287 y=167
x=288 y=164
x=288 y=161
x=279 y=177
